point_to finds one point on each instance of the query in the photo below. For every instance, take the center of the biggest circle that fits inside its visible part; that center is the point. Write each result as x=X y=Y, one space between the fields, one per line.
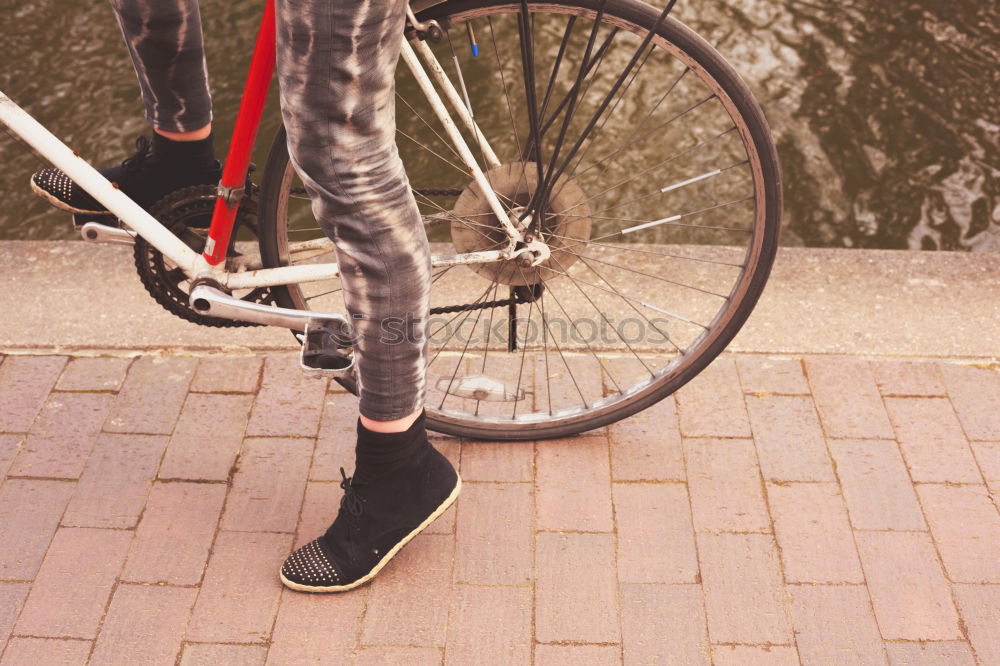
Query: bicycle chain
x=521 y=295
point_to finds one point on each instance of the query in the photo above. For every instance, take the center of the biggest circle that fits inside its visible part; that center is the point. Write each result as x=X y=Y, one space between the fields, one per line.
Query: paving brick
x=216 y=654
x=834 y=624
x=319 y=508
x=575 y=592
x=655 y=533
x=740 y=571
x=489 y=625
x=152 y=395
x=145 y=625
x=711 y=405
x=418 y=578
x=647 y=446
x=932 y=442
x=403 y=656
x=978 y=605
x=93 y=374
x=312 y=628
x=10 y=445
x=227 y=374
x=337 y=437
x=772 y=375
x=847 y=398
x=810 y=523
x=494 y=534
x=498 y=461
x=909 y=653
x=12 y=596
x=975 y=393
x=63 y=435
x=908 y=378
x=558 y=383
x=25 y=382
x=876 y=485
x=574 y=655
x=751 y=655
x=790 y=442
x=573 y=480
x=725 y=486
x=73 y=584
x=116 y=481
x=267 y=489
x=239 y=595
x=907 y=586
x=450 y=448
x=207 y=437
x=289 y=404
x=29 y=514
x=663 y=624
x=23 y=651
x=175 y=533
x=966 y=527
x=987 y=455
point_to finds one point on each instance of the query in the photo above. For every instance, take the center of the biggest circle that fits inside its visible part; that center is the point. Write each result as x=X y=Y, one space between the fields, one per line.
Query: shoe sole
x=62 y=205
x=388 y=556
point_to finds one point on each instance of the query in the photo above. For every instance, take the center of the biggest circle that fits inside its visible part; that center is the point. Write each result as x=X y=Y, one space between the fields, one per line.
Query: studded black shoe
x=378 y=516
x=146 y=177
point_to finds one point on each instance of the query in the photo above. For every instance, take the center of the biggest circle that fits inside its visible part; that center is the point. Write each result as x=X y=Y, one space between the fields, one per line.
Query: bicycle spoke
x=628 y=299
x=637 y=174
x=503 y=82
x=650 y=275
x=621 y=78
x=528 y=74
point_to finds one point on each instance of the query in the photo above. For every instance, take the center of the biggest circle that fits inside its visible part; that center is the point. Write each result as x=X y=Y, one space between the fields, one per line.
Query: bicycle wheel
x=660 y=198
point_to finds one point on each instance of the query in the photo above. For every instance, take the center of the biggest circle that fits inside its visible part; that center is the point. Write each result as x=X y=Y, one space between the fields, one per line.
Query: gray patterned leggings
x=336 y=60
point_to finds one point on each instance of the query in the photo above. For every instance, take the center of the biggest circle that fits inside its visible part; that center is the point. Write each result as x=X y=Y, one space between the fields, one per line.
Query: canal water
x=886 y=114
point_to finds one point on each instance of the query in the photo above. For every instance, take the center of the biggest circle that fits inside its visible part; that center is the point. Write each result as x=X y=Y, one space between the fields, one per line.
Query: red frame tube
x=234 y=175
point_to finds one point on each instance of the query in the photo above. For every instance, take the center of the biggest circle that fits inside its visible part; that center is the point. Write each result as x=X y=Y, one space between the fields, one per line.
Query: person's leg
x=336 y=60
x=164 y=40
x=336 y=64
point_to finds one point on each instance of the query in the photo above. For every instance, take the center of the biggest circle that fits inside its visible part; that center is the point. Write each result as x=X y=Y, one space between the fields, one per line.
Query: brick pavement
x=776 y=511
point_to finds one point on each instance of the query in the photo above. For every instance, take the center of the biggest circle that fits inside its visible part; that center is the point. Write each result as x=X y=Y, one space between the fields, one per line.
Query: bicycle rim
x=664 y=217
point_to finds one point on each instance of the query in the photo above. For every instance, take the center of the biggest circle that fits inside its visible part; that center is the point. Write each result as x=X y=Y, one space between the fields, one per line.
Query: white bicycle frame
x=251 y=274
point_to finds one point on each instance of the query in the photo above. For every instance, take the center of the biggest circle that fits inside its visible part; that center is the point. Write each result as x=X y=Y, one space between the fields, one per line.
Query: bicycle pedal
x=323 y=346
x=96 y=232
x=80 y=219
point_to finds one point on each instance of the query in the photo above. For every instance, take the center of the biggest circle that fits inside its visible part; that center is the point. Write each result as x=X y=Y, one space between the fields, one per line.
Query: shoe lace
x=350 y=502
x=143 y=150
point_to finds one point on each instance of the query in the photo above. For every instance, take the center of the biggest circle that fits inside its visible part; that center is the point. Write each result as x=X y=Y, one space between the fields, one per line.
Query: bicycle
x=547 y=207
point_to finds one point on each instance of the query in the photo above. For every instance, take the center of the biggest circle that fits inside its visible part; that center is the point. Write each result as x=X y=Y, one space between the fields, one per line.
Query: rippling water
x=886 y=114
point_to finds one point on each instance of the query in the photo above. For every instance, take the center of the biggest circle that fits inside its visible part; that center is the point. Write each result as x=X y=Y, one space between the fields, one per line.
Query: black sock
x=186 y=154
x=381 y=452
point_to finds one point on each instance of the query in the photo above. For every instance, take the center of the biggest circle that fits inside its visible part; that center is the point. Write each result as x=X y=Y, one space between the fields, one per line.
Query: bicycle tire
x=754 y=133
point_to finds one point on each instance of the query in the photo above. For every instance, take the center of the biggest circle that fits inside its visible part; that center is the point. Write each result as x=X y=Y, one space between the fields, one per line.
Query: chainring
x=187 y=213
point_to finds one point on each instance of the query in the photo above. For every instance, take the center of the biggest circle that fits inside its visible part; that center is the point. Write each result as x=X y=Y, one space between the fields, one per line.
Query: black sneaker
x=377 y=518
x=145 y=177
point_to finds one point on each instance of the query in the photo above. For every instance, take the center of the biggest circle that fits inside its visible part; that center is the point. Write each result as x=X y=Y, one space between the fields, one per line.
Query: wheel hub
x=565 y=223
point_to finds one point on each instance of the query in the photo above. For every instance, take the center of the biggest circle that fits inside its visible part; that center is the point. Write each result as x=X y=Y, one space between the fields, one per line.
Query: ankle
x=187 y=153
x=378 y=453
x=193 y=135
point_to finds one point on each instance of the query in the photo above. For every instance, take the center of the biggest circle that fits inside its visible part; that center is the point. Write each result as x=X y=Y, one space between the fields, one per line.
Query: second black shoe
x=156 y=169
x=394 y=494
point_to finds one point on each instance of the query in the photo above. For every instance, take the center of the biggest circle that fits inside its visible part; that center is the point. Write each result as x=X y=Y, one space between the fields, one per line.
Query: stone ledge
x=71 y=296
